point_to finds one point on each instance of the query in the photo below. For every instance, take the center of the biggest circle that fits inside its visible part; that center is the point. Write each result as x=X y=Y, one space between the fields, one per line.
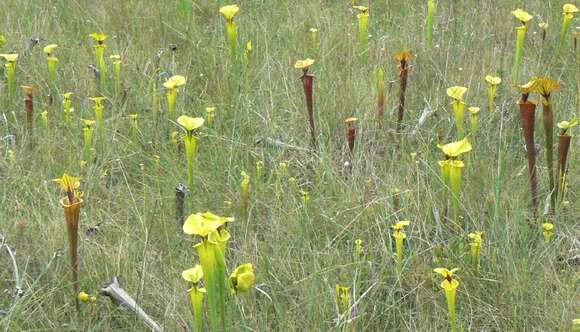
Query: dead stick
x=121 y=298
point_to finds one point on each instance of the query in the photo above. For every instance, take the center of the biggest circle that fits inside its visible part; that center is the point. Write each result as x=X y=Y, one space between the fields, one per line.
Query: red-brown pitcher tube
x=403 y=74
x=528 y=114
x=307 y=82
x=72 y=215
x=563 y=148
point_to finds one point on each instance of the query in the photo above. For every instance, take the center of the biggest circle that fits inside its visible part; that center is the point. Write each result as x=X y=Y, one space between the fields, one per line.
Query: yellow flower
x=210 y=110
x=189 y=123
x=527 y=88
x=449 y=283
x=229 y=11
x=522 y=16
x=28 y=89
x=548 y=227
x=68 y=183
x=201 y=224
x=456 y=148
x=193 y=275
x=304 y=64
x=49 y=48
x=10 y=57
x=88 y=123
x=174 y=82
x=98 y=37
x=359 y=246
x=565 y=125
x=97 y=100
x=545 y=85
x=474 y=110
x=404 y=55
x=493 y=80
x=399 y=226
x=569 y=8
x=476 y=237
x=342 y=297
x=84 y=297
x=456 y=92
x=242 y=279
x=249 y=46
x=362 y=9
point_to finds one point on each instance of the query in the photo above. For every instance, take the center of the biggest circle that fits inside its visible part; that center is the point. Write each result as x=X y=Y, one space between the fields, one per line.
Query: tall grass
x=299 y=252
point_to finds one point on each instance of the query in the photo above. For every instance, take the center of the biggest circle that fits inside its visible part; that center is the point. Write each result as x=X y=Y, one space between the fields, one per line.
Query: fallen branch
x=121 y=298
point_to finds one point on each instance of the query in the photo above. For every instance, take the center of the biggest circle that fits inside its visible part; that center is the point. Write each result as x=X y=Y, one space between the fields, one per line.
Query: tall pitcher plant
x=10 y=70
x=524 y=18
x=211 y=230
x=190 y=141
x=545 y=86
x=451 y=169
x=72 y=207
x=229 y=12
x=457 y=93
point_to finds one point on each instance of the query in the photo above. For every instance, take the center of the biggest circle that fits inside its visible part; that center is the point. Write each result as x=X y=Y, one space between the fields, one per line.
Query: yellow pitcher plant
x=100 y=46
x=210 y=229
x=190 y=141
x=363 y=34
x=524 y=18
x=457 y=93
x=314 y=38
x=172 y=86
x=568 y=11
x=431 y=10
x=548 y=231
x=474 y=111
x=229 y=12
x=400 y=236
x=210 y=114
x=51 y=61
x=451 y=170
x=88 y=139
x=117 y=64
x=449 y=285
x=72 y=208
x=476 y=246
x=245 y=196
x=196 y=294
x=545 y=86
x=342 y=294
x=494 y=82
x=242 y=279
x=134 y=126
x=99 y=109
x=10 y=67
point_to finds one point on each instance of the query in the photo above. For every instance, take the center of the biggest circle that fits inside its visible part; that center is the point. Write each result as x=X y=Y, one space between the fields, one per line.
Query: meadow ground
x=300 y=248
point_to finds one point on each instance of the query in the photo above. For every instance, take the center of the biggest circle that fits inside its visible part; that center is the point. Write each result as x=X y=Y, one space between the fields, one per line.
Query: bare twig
x=17 y=291
x=121 y=298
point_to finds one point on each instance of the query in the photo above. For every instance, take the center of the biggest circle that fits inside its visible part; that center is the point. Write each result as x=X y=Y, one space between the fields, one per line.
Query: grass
x=299 y=252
